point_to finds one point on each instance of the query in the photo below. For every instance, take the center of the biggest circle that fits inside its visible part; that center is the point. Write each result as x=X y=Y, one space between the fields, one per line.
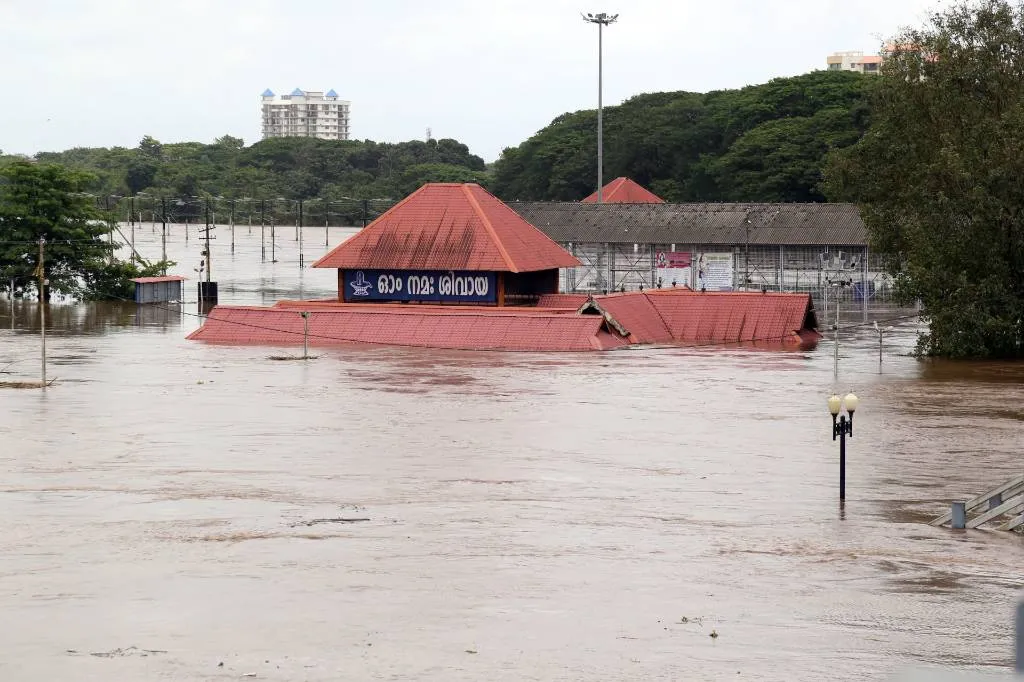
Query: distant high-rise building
x=305 y=113
x=854 y=61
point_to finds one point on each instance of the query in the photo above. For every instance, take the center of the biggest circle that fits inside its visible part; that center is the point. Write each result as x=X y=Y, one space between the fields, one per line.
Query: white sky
x=487 y=72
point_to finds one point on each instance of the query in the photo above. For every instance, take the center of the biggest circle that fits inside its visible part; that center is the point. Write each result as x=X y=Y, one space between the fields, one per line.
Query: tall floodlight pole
x=601 y=20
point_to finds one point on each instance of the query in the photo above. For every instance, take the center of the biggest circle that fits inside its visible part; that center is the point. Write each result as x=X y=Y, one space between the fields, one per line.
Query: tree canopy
x=939 y=176
x=761 y=143
x=291 y=168
x=47 y=202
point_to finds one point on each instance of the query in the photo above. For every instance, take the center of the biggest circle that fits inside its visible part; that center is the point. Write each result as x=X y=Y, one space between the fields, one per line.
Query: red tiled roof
x=602 y=322
x=696 y=317
x=624 y=191
x=573 y=301
x=636 y=313
x=447 y=226
x=428 y=326
x=155 y=280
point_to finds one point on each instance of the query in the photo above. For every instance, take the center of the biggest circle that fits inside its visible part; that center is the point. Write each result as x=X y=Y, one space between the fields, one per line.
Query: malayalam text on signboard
x=420 y=285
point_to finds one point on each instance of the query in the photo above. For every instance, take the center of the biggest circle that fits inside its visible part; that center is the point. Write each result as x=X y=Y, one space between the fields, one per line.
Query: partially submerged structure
x=722 y=247
x=451 y=266
x=448 y=243
x=160 y=289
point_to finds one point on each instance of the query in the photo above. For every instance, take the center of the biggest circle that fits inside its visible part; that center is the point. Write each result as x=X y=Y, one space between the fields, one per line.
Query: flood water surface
x=177 y=511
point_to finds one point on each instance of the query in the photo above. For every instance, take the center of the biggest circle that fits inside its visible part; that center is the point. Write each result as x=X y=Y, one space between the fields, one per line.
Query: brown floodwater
x=411 y=514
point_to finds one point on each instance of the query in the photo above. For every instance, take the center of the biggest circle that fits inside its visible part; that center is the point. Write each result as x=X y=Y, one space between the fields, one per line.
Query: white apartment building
x=854 y=61
x=305 y=113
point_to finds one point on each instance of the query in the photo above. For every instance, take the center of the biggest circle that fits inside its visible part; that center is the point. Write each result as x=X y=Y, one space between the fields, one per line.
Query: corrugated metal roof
x=156 y=280
x=448 y=226
x=713 y=224
x=624 y=191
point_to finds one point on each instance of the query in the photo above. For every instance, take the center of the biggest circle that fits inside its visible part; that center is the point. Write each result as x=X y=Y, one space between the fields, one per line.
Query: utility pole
x=601 y=20
x=273 y=235
x=835 y=359
x=298 y=230
x=263 y=232
x=327 y=222
x=365 y=204
x=305 y=335
x=232 y=226
x=207 y=237
x=207 y=289
x=131 y=221
x=41 y=271
x=163 y=233
x=838 y=282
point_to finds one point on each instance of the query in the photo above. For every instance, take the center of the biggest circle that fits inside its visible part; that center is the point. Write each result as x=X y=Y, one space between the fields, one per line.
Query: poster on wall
x=673 y=268
x=714 y=271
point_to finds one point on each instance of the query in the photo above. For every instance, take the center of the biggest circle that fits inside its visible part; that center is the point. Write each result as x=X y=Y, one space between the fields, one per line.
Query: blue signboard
x=420 y=285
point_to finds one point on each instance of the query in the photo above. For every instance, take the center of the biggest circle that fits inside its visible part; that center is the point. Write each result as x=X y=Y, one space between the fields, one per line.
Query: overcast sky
x=487 y=72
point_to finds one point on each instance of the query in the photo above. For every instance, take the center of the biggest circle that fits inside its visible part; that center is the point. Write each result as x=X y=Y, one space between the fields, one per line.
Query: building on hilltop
x=855 y=61
x=305 y=113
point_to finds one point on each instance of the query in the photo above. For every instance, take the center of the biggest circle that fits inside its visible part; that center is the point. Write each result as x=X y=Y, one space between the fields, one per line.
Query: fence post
x=959 y=520
x=864 y=283
x=1019 y=662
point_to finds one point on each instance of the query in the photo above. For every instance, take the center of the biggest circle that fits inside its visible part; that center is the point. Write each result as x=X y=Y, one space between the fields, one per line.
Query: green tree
x=139 y=175
x=293 y=168
x=46 y=201
x=151 y=148
x=766 y=142
x=414 y=177
x=940 y=177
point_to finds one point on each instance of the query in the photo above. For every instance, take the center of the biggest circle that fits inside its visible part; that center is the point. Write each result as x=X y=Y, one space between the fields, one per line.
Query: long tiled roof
x=695 y=317
x=599 y=323
x=450 y=226
x=692 y=317
x=427 y=327
x=624 y=191
x=724 y=224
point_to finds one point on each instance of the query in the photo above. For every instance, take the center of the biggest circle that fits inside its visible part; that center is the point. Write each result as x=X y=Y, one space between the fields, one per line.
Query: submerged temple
x=451 y=266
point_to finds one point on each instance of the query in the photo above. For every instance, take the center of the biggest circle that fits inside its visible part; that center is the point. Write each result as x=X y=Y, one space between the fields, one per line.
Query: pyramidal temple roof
x=450 y=226
x=624 y=191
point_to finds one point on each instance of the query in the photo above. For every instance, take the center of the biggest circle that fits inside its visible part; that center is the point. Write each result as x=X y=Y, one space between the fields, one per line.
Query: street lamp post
x=842 y=426
x=601 y=20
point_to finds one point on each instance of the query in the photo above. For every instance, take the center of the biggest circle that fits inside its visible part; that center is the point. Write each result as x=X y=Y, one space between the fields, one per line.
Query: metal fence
x=344 y=212
x=851 y=275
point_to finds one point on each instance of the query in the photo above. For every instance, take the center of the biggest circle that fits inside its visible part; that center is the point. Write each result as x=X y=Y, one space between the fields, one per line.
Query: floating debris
x=315 y=522
x=119 y=653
